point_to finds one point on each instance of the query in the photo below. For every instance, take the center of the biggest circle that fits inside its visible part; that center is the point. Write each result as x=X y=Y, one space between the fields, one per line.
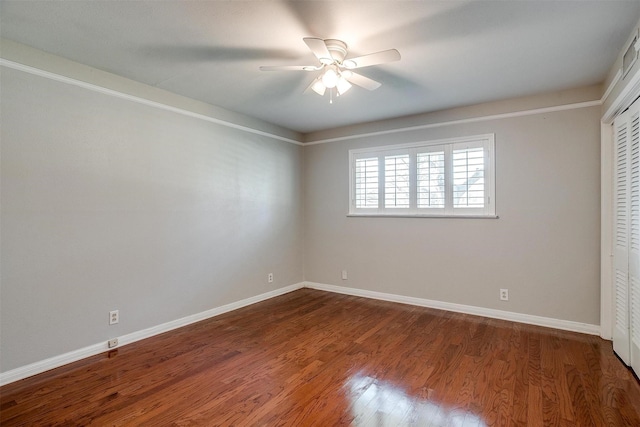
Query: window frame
x=447 y=146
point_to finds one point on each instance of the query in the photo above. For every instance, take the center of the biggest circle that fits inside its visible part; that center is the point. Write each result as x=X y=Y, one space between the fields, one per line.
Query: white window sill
x=376 y=215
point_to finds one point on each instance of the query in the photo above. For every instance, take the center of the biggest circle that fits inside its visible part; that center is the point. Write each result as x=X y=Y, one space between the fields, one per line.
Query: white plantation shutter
x=448 y=177
x=430 y=179
x=468 y=178
x=366 y=183
x=396 y=181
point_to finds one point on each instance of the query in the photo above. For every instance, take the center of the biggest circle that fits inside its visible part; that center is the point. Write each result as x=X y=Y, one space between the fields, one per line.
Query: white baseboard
x=73 y=356
x=566 y=325
x=51 y=363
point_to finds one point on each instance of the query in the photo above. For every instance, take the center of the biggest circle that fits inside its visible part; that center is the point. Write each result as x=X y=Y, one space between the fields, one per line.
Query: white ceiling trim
x=111 y=92
x=544 y=110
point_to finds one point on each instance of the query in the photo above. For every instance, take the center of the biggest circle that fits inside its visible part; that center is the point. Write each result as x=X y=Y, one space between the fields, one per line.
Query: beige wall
x=109 y=204
x=544 y=247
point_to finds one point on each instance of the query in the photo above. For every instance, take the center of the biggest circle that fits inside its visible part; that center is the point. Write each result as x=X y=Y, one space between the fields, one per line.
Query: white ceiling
x=454 y=53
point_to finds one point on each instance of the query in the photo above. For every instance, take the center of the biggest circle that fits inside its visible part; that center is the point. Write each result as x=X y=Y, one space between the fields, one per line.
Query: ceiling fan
x=336 y=70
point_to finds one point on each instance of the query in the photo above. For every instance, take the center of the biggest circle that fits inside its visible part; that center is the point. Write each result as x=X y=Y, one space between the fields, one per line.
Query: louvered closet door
x=634 y=234
x=621 y=335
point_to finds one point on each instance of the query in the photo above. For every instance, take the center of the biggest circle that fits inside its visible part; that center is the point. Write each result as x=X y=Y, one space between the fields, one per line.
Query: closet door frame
x=623 y=99
x=634 y=235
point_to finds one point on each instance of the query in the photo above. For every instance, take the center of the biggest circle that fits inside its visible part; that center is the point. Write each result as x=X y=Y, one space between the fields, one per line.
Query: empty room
x=319 y=213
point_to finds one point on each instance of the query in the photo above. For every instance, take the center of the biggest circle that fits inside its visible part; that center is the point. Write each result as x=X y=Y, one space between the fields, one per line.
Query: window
x=453 y=177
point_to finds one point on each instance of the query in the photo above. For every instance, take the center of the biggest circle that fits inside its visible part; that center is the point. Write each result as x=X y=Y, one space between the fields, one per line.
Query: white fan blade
x=360 y=80
x=319 y=49
x=372 y=59
x=289 y=68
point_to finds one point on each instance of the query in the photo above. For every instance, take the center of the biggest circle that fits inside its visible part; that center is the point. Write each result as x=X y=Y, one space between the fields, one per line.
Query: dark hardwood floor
x=315 y=358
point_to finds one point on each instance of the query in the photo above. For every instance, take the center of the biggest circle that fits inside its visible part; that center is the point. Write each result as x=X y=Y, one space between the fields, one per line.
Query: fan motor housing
x=337 y=49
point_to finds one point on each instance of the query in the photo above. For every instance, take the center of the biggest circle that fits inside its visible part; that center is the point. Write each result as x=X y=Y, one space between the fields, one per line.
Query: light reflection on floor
x=378 y=403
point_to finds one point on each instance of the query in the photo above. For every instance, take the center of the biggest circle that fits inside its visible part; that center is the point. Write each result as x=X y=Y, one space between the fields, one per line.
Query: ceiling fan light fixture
x=330 y=78
x=334 y=70
x=343 y=85
x=318 y=87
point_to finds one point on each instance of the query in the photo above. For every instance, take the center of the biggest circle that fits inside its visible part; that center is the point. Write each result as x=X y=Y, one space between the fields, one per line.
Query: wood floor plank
x=311 y=358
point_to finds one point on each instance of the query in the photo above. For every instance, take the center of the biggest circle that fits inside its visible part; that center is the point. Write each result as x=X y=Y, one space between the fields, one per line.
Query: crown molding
x=118 y=94
x=500 y=116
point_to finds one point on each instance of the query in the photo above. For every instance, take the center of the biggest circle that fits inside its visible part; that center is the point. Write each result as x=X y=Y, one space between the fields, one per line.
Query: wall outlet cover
x=114 y=317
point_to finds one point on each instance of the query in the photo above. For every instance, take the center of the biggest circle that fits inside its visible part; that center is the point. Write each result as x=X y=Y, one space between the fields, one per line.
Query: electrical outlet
x=114 y=317
x=504 y=294
x=113 y=343
x=344 y=274
x=270 y=278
